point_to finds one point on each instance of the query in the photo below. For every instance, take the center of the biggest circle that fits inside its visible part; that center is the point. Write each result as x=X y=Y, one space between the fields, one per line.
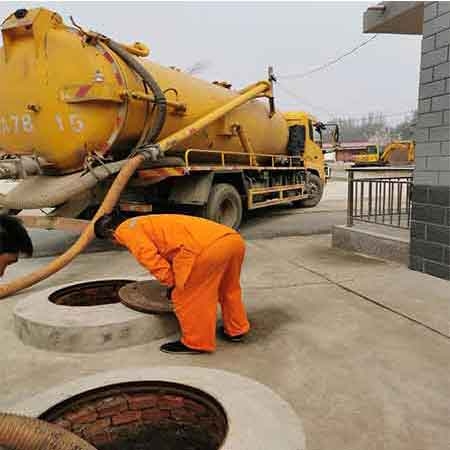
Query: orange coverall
x=202 y=260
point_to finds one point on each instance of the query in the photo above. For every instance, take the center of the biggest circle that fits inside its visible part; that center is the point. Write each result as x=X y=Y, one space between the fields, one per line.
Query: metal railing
x=259 y=160
x=380 y=195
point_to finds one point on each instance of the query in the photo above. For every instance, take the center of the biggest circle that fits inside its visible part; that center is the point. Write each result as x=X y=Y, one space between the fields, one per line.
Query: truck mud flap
x=192 y=189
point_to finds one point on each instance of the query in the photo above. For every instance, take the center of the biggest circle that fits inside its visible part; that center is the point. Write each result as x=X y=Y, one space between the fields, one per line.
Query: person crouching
x=200 y=263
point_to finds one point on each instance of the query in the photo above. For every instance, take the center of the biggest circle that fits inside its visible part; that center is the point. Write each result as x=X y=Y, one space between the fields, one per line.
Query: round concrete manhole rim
x=145 y=414
x=79 y=329
x=257 y=416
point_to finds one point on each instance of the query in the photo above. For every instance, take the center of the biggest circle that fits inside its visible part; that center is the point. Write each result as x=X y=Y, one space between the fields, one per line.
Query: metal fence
x=380 y=195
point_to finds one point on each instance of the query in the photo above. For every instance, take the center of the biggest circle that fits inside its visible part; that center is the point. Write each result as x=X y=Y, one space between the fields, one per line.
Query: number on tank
x=73 y=122
x=15 y=124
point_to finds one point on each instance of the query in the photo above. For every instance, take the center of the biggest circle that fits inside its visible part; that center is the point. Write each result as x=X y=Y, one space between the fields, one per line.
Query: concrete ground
x=358 y=346
x=282 y=221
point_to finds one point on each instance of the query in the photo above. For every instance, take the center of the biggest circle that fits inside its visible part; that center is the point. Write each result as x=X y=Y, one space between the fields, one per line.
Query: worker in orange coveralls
x=200 y=263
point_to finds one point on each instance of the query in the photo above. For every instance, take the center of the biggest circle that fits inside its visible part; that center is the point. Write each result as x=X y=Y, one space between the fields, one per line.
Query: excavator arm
x=403 y=146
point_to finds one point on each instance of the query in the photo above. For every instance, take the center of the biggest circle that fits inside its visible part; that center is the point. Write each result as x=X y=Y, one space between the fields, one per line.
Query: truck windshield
x=317 y=136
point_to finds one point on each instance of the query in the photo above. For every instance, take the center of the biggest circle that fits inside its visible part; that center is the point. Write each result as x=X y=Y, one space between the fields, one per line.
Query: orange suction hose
x=85 y=238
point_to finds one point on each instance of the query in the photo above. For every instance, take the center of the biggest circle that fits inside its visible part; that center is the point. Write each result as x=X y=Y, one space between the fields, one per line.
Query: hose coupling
x=149 y=152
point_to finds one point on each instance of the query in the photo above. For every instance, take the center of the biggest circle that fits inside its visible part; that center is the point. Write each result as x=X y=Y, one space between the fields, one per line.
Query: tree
x=364 y=129
x=375 y=128
x=405 y=129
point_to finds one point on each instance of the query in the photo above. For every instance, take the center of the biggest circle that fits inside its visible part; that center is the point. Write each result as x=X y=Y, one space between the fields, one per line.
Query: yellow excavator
x=395 y=153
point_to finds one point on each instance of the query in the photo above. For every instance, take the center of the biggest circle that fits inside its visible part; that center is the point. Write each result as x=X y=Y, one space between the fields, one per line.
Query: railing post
x=350 y=198
x=410 y=187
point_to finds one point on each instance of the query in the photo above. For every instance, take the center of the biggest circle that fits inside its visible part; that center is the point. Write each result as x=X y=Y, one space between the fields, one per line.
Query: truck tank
x=62 y=98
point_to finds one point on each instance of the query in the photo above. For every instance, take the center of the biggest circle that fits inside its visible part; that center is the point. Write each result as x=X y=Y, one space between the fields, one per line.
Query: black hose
x=160 y=99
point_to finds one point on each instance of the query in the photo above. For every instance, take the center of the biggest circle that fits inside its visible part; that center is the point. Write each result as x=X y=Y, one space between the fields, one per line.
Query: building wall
x=430 y=227
x=348 y=155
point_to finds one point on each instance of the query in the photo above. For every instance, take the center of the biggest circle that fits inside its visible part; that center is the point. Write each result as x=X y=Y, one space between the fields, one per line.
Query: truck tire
x=224 y=205
x=315 y=186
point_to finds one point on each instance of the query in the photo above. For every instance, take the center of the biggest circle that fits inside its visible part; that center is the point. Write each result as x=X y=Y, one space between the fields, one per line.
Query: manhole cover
x=146 y=296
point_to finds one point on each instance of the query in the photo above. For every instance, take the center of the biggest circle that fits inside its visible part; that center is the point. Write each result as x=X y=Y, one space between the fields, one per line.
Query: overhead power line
x=293 y=94
x=334 y=115
x=329 y=63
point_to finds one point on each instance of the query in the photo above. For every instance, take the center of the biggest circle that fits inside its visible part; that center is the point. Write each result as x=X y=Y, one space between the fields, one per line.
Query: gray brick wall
x=430 y=230
x=430 y=225
x=439 y=103
x=434 y=101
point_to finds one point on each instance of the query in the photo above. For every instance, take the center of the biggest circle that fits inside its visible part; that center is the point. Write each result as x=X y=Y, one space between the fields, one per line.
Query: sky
x=237 y=41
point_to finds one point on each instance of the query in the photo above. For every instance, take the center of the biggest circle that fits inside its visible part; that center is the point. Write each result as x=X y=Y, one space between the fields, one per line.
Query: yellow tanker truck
x=76 y=106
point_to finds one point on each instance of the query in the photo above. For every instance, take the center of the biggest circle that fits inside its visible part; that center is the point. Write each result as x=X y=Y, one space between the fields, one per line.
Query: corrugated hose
x=26 y=433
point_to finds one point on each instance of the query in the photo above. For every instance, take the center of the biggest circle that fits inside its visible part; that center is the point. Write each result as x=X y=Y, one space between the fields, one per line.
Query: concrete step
x=373 y=240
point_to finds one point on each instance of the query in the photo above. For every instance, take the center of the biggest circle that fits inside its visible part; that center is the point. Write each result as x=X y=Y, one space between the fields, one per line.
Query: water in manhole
x=92 y=293
x=151 y=415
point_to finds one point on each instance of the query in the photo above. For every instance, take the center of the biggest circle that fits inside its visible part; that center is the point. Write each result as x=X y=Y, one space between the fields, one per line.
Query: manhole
x=148 y=415
x=184 y=406
x=92 y=293
x=87 y=317
x=148 y=296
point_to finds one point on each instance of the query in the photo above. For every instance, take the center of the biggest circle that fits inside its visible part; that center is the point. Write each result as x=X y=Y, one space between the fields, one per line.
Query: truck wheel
x=224 y=205
x=315 y=187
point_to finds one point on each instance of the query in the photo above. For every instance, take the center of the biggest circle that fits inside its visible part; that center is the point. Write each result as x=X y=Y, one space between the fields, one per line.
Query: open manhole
x=147 y=415
x=97 y=320
x=92 y=293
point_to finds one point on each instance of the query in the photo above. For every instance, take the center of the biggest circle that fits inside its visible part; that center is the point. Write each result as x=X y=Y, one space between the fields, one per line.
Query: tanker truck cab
x=302 y=143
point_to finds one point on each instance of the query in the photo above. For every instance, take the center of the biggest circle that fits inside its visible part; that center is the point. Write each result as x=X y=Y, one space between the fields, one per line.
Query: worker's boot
x=179 y=348
x=225 y=336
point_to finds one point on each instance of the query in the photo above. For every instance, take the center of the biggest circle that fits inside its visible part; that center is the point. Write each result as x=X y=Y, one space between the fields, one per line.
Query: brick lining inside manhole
x=153 y=415
x=93 y=293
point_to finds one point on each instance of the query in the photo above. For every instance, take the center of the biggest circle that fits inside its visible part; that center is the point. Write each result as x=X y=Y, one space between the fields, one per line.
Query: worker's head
x=14 y=241
x=105 y=226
